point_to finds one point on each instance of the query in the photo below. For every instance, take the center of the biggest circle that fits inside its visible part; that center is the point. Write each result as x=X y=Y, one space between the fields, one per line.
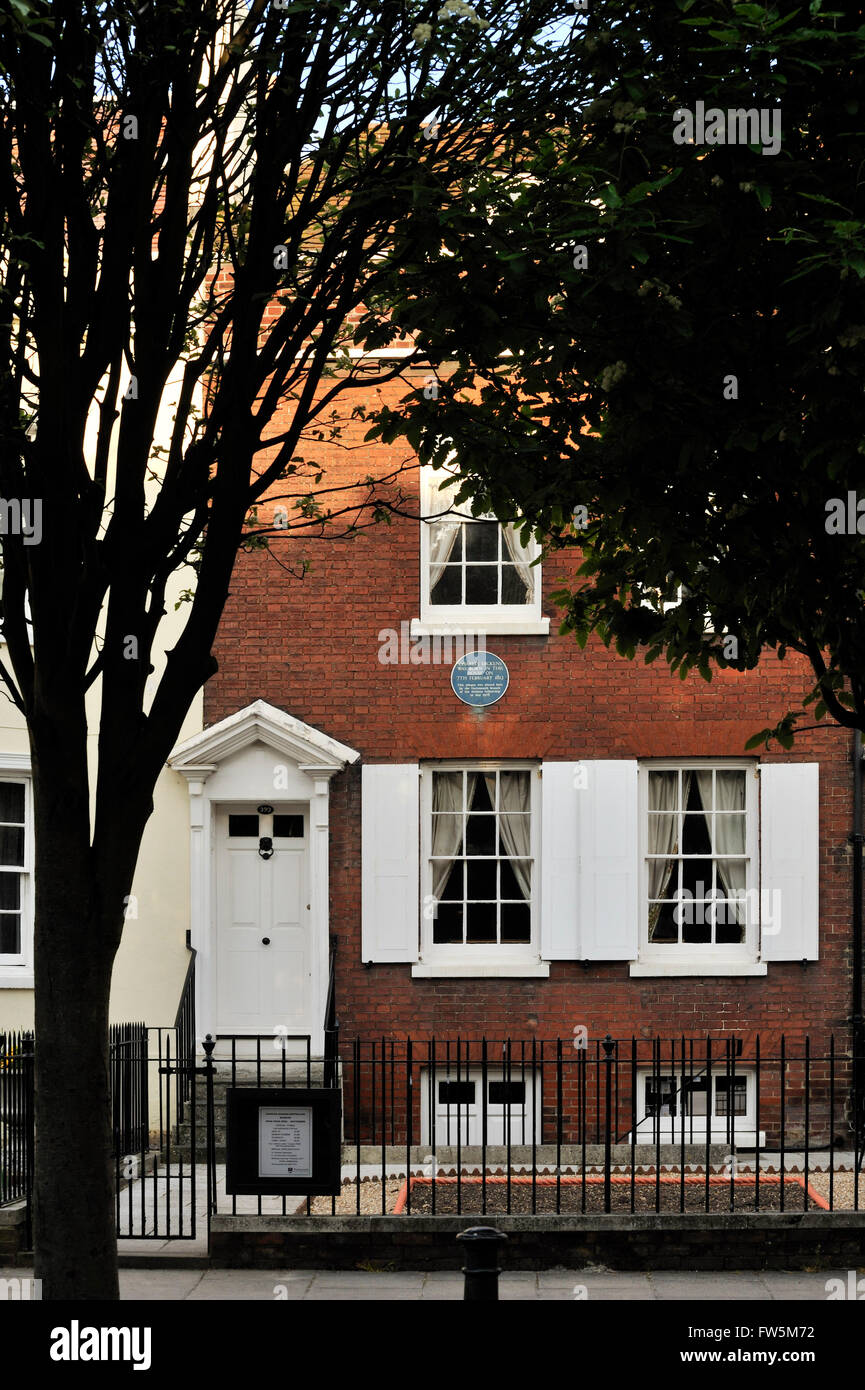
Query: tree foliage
x=673 y=340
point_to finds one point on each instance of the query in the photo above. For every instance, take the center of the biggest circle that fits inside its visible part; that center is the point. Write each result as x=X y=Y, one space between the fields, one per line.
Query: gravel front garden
x=542 y=1197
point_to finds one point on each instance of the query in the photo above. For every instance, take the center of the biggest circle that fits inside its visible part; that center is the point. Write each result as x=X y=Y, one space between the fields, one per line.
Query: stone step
x=222 y=1085
x=184 y=1155
x=183 y=1135
x=271 y=1074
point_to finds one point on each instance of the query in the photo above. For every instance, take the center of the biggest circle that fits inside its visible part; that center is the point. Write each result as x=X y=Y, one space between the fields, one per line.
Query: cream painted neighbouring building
x=151 y=964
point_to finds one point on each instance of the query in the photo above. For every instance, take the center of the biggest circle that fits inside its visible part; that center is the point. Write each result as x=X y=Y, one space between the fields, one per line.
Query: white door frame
x=259 y=755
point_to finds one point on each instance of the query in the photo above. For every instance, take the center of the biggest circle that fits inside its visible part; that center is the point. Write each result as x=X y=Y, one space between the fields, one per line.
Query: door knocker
x=265 y=847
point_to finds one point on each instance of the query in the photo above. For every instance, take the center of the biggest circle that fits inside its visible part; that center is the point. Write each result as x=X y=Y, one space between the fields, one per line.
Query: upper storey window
x=476 y=575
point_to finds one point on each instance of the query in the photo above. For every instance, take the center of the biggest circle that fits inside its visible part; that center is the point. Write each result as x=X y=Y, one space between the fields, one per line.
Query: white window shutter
x=390 y=883
x=789 y=860
x=559 y=861
x=608 y=818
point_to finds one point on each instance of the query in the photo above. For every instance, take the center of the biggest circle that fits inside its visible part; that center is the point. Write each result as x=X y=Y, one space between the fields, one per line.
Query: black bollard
x=481 y=1267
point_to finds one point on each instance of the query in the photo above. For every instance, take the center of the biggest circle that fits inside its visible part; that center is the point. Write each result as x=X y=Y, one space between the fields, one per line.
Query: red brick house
x=593 y=850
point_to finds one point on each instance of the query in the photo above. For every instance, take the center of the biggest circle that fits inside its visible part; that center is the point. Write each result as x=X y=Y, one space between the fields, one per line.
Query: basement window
x=671 y=1106
x=505 y=1104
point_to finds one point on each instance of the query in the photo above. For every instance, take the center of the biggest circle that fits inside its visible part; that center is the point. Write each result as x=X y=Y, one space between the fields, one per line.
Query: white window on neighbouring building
x=16 y=913
x=479 y=861
x=476 y=573
x=699 y=859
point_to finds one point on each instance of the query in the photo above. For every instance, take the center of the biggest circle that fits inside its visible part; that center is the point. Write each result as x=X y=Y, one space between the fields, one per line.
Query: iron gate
x=156 y=1182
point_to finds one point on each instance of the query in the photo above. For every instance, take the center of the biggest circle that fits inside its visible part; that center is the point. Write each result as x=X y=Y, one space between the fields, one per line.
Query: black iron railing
x=486 y=1126
x=184 y=1024
x=130 y=1105
x=605 y=1124
x=331 y=1025
x=16 y=1118
x=128 y=1070
x=580 y=1125
x=138 y=1059
x=156 y=1169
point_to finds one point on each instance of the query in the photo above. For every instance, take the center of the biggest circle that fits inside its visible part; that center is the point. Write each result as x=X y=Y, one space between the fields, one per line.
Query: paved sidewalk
x=594 y=1285
x=561 y=1284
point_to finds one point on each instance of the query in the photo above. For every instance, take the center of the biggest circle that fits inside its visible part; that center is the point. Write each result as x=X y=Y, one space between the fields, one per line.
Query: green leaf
x=757 y=740
x=759 y=13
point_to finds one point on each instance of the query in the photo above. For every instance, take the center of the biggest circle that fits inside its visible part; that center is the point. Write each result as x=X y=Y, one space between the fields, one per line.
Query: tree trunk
x=74 y=1227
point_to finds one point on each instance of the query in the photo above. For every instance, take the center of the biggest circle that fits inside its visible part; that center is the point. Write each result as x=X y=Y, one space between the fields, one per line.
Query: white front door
x=264 y=962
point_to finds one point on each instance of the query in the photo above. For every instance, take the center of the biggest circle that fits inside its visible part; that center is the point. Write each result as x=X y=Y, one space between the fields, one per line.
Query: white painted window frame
x=732 y=958
x=745 y=1127
x=481 y=958
x=524 y=619
x=16 y=972
x=466 y=1119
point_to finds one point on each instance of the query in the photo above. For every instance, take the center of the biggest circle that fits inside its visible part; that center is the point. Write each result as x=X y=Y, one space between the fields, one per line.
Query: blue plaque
x=479 y=678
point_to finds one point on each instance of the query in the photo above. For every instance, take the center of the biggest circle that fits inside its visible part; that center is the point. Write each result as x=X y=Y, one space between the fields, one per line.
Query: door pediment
x=308 y=748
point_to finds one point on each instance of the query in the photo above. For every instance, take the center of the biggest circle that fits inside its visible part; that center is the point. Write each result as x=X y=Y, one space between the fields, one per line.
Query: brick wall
x=813 y=1241
x=310 y=645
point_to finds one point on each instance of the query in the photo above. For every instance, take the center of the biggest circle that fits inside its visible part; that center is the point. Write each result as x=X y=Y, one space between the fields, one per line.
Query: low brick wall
x=732 y=1240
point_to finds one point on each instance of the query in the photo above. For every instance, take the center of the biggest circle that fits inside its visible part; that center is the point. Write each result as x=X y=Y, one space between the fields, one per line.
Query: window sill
x=480 y=627
x=707 y=968
x=746 y=1137
x=477 y=971
x=11 y=977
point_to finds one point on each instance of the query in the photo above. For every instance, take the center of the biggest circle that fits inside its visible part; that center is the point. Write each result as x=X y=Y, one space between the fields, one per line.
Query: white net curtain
x=721 y=792
x=449 y=801
x=444 y=531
